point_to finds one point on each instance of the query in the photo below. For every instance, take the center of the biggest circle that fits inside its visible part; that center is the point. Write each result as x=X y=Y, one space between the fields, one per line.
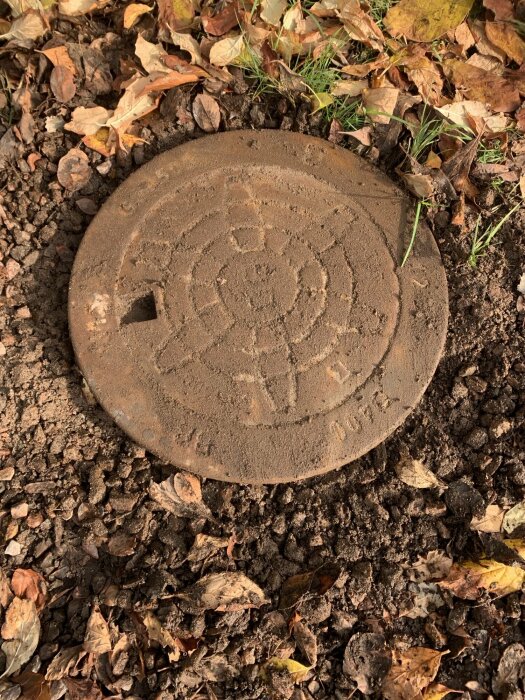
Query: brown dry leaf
x=462 y=113
x=224 y=592
x=21 y=629
x=157 y=633
x=433 y=161
x=306 y=585
x=457 y=167
x=506 y=38
x=464 y=36
x=30 y=585
x=82 y=690
x=59 y=56
x=105 y=143
x=438 y=691
x=490 y=521
x=6 y=595
x=360 y=26
x=425 y=20
x=176 y=14
x=132 y=13
x=34 y=686
x=469 y=579
x=62 y=84
x=226 y=51
x=97 y=639
x=150 y=55
x=206 y=546
x=224 y=20
x=166 y=81
x=65 y=661
x=380 y=103
x=306 y=641
x=122 y=544
x=502 y=9
x=186 y=43
x=351 y=88
x=73 y=171
x=181 y=495
x=412 y=671
x=133 y=104
x=425 y=75
x=88 y=120
x=478 y=84
x=414 y=473
x=272 y=11
x=76 y=8
x=297 y=671
x=30 y=25
x=421 y=186
x=367 y=660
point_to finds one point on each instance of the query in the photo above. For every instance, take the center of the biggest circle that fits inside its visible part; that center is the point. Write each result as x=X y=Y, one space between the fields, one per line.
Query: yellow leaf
x=176 y=14
x=517 y=545
x=426 y=20
x=468 y=579
x=437 y=691
x=133 y=12
x=320 y=100
x=411 y=672
x=295 y=669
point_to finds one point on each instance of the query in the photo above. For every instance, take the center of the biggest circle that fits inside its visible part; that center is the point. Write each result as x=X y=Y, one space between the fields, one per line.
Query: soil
x=282 y=339
x=97 y=537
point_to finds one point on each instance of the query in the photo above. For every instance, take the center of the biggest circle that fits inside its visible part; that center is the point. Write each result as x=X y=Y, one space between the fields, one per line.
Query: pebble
x=7 y=473
x=13 y=549
x=20 y=510
x=499 y=426
x=477 y=438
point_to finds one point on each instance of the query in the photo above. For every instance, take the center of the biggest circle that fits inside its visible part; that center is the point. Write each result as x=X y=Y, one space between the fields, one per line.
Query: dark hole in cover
x=142 y=309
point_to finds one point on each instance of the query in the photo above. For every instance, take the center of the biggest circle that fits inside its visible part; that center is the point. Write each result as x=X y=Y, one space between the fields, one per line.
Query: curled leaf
x=29 y=584
x=181 y=495
x=132 y=13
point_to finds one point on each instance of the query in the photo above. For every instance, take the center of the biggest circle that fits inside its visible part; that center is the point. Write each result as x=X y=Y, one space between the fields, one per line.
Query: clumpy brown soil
x=282 y=338
x=97 y=537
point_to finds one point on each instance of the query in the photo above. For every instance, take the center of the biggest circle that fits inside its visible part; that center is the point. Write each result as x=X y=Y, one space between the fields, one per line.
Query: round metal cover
x=238 y=308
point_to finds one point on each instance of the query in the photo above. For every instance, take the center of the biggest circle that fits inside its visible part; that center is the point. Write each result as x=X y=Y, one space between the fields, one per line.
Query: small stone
x=499 y=427
x=477 y=438
x=12 y=268
x=467 y=371
x=105 y=167
x=86 y=205
x=20 y=510
x=464 y=500
x=23 y=312
x=13 y=549
x=3 y=349
x=316 y=541
x=7 y=473
x=35 y=520
x=11 y=530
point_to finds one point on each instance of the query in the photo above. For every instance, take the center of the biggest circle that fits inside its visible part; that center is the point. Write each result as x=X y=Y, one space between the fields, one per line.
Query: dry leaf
x=157 y=633
x=359 y=25
x=506 y=38
x=224 y=592
x=227 y=51
x=515 y=516
x=478 y=84
x=150 y=55
x=187 y=43
x=166 y=81
x=30 y=26
x=426 y=76
x=469 y=579
x=306 y=641
x=181 y=495
x=367 y=660
x=206 y=113
x=22 y=630
x=73 y=171
x=421 y=186
x=30 y=585
x=412 y=671
x=414 y=473
x=87 y=120
x=312 y=583
x=438 y=691
x=425 y=20
x=133 y=104
x=6 y=595
x=521 y=284
x=425 y=598
x=97 y=639
x=59 y=56
x=176 y=14
x=510 y=672
x=83 y=690
x=490 y=521
x=297 y=671
x=352 y=88
x=62 y=84
x=75 y=8
x=206 y=546
x=133 y=11
x=64 y=662
x=461 y=113
x=221 y=22
x=272 y=11
x=380 y=103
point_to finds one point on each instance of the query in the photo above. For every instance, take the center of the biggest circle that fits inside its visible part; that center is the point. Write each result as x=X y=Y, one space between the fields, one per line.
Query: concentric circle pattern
x=238 y=308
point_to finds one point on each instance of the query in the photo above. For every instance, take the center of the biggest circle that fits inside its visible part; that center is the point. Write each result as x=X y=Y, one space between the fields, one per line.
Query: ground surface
x=78 y=505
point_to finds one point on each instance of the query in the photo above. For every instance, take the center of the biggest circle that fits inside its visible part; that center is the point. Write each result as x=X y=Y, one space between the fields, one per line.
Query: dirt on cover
x=282 y=338
x=77 y=502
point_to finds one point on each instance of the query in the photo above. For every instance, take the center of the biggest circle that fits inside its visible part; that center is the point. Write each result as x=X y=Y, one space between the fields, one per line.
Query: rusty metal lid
x=238 y=308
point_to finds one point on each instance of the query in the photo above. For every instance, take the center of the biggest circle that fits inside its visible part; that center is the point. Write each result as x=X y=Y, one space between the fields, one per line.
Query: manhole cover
x=237 y=307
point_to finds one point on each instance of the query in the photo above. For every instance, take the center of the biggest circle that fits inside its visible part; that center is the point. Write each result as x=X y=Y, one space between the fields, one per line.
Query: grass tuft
x=481 y=240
